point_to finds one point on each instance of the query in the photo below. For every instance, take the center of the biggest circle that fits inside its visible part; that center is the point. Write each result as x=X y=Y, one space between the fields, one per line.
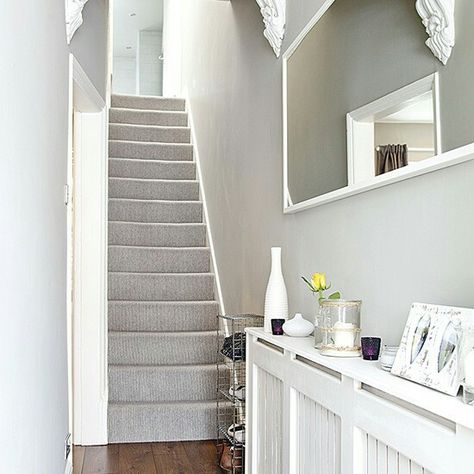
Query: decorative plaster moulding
x=73 y=17
x=274 y=18
x=438 y=19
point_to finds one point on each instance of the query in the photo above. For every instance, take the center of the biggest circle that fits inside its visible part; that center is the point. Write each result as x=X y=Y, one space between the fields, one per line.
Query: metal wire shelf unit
x=231 y=388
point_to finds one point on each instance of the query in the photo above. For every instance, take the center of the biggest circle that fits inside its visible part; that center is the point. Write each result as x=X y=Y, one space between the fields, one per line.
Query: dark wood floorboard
x=101 y=460
x=196 y=457
x=78 y=458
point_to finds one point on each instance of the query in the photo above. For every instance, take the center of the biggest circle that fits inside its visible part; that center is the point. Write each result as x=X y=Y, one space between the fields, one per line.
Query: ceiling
x=419 y=110
x=148 y=16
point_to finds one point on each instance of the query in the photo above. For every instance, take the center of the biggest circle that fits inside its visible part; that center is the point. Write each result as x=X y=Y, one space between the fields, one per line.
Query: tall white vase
x=276 y=297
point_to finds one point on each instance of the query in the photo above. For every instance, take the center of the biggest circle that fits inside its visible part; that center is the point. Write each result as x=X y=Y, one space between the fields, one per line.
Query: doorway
x=138 y=47
x=86 y=198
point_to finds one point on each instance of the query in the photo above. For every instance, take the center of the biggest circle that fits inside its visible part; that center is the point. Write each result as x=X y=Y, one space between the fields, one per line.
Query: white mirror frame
x=440 y=161
x=360 y=125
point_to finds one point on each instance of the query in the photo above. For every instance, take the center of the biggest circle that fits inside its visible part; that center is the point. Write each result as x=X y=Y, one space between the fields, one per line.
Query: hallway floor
x=147 y=458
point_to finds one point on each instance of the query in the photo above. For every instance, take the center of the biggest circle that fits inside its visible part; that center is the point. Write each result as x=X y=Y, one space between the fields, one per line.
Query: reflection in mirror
x=362 y=97
x=394 y=132
x=405 y=136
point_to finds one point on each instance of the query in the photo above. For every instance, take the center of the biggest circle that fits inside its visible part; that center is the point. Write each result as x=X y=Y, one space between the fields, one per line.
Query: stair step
x=157 y=235
x=162 y=348
x=162 y=316
x=153 y=169
x=161 y=286
x=130 y=383
x=150 y=150
x=149 y=422
x=153 y=133
x=159 y=259
x=148 y=117
x=137 y=210
x=156 y=189
x=148 y=102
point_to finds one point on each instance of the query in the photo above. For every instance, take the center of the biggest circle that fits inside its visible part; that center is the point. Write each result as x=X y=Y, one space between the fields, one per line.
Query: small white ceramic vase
x=276 y=297
x=298 y=327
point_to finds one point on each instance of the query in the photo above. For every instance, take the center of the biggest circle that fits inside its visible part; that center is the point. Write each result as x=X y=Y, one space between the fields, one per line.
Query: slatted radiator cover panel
x=319 y=437
x=270 y=420
x=382 y=459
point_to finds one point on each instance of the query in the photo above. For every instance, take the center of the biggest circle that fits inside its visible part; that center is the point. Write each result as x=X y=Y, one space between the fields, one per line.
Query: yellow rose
x=319 y=281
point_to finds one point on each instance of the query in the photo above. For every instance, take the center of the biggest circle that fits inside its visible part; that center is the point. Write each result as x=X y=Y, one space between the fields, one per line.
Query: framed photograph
x=433 y=347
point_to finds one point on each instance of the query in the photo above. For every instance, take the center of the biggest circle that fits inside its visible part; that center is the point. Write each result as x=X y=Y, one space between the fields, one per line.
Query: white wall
x=150 y=67
x=33 y=134
x=392 y=246
x=125 y=75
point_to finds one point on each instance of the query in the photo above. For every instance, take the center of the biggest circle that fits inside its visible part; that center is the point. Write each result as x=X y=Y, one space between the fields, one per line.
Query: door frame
x=87 y=259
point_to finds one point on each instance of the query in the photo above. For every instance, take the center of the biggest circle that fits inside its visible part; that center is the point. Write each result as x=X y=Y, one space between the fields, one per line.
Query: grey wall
x=357 y=53
x=411 y=241
x=33 y=157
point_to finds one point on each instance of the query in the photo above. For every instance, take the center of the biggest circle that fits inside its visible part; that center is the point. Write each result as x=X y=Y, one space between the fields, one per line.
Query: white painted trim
x=110 y=52
x=68 y=467
x=88 y=312
x=361 y=129
x=204 y=203
x=445 y=160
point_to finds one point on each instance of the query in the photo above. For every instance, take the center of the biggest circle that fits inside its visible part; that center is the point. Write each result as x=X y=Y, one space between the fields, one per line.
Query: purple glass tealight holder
x=277 y=327
x=370 y=347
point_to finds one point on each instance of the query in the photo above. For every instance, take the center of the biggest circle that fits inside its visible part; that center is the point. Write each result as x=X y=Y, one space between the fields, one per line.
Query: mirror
x=394 y=132
x=362 y=101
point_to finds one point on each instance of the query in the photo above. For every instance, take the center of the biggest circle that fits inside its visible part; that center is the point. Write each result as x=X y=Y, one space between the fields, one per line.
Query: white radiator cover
x=310 y=414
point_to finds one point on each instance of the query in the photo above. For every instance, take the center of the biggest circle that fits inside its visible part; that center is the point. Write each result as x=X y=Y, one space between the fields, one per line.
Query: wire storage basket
x=231 y=358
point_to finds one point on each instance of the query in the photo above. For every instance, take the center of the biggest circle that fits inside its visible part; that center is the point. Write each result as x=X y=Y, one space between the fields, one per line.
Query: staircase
x=162 y=309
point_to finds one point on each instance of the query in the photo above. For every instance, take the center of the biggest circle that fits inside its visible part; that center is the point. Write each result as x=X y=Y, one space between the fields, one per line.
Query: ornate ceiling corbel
x=274 y=18
x=438 y=19
x=73 y=17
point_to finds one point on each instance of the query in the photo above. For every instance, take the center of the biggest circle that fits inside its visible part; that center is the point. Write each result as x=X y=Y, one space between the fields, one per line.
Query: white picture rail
x=73 y=17
x=274 y=18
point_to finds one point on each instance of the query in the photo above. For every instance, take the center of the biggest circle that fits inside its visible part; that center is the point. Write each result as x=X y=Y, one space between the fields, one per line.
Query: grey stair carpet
x=148 y=117
x=150 y=150
x=147 y=210
x=162 y=348
x=172 y=383
x=162 y=316
x=144 y=133
x=159 y=235
x=162 y=308
x=152 y=169
x=155 y=422
x=123 y=258
x=132 y=188
x=148 y=103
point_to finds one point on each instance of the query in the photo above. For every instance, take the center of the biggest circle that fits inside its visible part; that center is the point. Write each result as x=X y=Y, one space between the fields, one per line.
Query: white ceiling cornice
x=73 y=17
x=274 y=18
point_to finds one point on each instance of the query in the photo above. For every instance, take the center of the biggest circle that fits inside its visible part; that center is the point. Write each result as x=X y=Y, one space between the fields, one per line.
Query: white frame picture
x=434 y=344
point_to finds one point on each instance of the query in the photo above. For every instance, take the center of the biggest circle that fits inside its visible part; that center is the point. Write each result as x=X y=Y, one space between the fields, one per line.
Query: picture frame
x=434 y=345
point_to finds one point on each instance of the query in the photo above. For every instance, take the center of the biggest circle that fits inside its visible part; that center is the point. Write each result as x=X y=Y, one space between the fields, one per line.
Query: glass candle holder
x=338 y=329
x=277 y=327
x=468 y=394
x=371 y=348
x=387 y=358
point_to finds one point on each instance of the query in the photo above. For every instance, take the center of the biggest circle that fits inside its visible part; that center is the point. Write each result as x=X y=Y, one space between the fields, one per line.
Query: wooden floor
x=147 y=458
